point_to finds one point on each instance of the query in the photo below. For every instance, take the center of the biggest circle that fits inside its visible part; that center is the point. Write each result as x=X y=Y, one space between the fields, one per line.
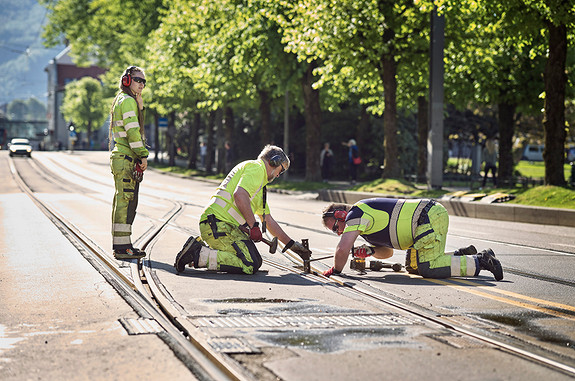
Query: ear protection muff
x=127 y=78
x=339 y=215
x=277 y=160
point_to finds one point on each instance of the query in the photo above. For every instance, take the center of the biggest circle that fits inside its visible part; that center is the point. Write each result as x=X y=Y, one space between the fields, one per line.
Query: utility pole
x=436 y=71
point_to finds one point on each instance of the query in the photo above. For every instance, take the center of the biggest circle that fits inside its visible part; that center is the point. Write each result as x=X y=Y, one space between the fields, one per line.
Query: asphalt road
x=532 y=308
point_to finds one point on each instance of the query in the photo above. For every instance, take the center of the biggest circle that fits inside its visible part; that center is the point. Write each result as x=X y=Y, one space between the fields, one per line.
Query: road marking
x=510 y=301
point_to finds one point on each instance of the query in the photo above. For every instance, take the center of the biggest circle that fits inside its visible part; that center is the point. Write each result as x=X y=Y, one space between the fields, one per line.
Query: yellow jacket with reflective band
x=126 y=128
x=386 y=222
x=251 y=175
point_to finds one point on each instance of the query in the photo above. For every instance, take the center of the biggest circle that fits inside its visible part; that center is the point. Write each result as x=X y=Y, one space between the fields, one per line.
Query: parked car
x=533 y=152
x=19 y=146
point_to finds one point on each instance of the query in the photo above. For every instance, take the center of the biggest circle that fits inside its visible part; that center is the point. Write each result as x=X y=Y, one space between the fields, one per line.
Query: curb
x=474 y=209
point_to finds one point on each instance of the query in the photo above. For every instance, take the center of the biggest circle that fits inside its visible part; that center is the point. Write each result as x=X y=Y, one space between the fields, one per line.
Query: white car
x=19 y=146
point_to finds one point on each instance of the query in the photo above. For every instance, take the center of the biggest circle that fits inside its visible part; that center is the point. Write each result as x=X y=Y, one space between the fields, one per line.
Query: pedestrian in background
x=325 y=162
x=230 y=156
x=128 y=160
x=490 y=159
x=203 y=152
x=353 y=158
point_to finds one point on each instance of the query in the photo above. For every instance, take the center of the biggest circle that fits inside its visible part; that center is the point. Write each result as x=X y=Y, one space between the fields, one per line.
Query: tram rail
x=145 y=293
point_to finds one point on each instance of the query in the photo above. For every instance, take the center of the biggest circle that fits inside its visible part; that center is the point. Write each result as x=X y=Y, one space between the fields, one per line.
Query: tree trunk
x=554 y=116
x=89 y=135
x=193 y=147
x=171 y=138
x=391 y=168
x=506 y=130
x=422 y=134
x=313 y=125
x=156 y=138
x=210 y=142
x=362 y=136
x=265 y=118
x=220 y=137
x=229 y=121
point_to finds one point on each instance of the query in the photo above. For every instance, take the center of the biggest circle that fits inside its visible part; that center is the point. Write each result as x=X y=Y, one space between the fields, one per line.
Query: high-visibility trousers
x=429 y=248
x=125 y=200
x=236 y=252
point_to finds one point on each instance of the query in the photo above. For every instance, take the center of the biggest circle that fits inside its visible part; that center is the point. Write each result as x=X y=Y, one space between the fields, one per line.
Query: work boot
x=408 y=267
x=131 y=253
x=469 y=250
x=190 y=253
x=488 y=262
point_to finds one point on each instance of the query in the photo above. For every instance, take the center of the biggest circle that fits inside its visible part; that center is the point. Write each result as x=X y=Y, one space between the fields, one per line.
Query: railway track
x=142 y=289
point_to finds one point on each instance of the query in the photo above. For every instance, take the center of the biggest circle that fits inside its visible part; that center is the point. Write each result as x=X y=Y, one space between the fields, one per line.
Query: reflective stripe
x=416 y=216
x=229 y=209
x=401 y=224
x=129 y=114
x=223 y=194
x=119 y=123
x=136 y=144
x=456 y=266
x=404 y=233
x=124 y=240
x=132 y=125
x=208 y=258
x=213 y=260
x=393 y=224
x=120 y=134
x=124 y=228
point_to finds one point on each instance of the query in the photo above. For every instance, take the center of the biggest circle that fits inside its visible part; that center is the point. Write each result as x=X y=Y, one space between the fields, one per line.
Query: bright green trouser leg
x=236 y=252
x=125 y=201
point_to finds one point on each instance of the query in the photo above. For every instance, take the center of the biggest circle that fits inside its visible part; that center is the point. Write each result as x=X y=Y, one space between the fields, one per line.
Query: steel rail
x=362 y=290
x=204 y=367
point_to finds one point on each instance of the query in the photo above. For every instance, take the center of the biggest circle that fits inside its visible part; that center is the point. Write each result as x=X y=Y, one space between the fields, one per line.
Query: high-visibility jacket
x=126 y=128
x=251 y=175
x=385 y=221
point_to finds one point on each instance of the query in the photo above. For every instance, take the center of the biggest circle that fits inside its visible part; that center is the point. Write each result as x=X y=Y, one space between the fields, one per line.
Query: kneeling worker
x=228 y=224
x=418 y=226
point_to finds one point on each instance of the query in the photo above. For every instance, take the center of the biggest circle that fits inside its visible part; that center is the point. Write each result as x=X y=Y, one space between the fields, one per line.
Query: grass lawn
x=547 y=196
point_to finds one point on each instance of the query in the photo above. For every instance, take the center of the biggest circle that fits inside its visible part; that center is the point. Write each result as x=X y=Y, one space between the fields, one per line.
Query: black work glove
x=297 y=248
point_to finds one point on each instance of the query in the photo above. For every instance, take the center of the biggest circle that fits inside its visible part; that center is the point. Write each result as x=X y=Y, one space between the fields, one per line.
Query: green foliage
x=84 y=104
x=26 y=110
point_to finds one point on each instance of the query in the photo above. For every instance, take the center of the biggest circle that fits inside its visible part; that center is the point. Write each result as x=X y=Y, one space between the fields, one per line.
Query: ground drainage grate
x=313 y=321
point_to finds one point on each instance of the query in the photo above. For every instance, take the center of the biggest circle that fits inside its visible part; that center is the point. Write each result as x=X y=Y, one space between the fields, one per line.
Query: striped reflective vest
x=386 y=221
x=126 y=128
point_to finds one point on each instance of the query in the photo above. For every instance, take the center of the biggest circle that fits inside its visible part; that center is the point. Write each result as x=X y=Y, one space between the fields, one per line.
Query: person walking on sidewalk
x=353 y=158
x=228 y=225
x=128 y=160
x=490 y=159
x=418 y=226
x=325 y=161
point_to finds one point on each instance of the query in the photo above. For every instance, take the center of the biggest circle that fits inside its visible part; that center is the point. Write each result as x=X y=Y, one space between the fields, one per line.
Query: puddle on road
x=326 y=341
x=524 y=323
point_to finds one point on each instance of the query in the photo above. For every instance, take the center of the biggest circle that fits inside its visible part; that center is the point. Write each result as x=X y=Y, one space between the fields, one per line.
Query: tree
x=361 y=45
x=555 y=20
x=84 y=105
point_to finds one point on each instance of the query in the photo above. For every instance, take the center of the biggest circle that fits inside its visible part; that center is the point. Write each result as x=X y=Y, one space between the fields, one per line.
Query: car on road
x=20 y=146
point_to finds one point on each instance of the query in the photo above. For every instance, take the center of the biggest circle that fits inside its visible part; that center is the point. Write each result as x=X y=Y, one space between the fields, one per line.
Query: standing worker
x=128 y=160
x=418 y=226
x=228 y=224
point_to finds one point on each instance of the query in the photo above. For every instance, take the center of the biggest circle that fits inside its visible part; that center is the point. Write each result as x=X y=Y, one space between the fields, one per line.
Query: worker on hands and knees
x=418 y=226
